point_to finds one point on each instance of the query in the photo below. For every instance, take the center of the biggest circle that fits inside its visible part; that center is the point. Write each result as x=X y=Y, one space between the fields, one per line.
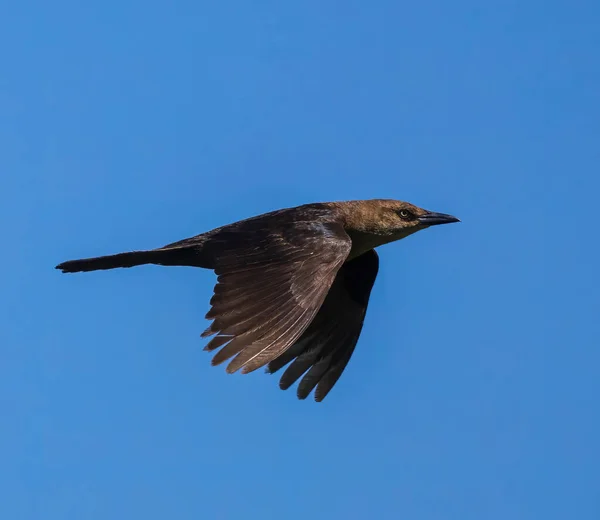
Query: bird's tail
x=164 y=256
x=107 y=262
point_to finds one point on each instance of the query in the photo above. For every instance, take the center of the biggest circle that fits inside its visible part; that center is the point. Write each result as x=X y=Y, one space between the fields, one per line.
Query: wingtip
x=230 y=369
x=319 y=398
x=301 y=396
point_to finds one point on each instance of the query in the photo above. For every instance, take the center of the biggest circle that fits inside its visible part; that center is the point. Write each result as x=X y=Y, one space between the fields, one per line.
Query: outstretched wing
x=272 y=279
x=325 y=348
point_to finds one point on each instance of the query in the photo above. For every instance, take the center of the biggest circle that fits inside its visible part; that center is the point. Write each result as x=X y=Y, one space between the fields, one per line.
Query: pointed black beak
x=434 y=219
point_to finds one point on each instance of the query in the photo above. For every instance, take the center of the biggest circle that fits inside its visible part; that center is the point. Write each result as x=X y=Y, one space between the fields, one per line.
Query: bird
x=293 y=285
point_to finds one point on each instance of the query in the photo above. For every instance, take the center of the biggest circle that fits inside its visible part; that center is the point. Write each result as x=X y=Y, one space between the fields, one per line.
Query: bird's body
x=293 y=285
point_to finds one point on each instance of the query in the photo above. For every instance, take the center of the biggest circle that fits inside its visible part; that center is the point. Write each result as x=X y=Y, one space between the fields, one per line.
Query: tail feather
x=108 y=262
x=184 y=256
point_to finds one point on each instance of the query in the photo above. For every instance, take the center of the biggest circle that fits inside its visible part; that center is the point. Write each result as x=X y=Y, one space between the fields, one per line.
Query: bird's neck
x=364 y=241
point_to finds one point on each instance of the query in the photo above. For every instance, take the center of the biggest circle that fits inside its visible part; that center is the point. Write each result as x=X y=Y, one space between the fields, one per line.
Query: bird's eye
x=405 y=214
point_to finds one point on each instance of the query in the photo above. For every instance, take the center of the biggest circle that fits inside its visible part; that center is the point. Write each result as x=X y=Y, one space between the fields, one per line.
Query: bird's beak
x=431 y=218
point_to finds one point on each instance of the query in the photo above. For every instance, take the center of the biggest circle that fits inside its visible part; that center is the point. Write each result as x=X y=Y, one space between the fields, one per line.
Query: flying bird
x=293 y=285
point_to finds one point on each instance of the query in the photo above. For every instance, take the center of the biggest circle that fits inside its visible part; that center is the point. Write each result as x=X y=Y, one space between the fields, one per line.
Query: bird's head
x=397 y=216
x=392 y=219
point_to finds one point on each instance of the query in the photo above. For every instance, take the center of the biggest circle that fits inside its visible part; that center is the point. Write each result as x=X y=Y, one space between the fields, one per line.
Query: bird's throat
x=363 y=242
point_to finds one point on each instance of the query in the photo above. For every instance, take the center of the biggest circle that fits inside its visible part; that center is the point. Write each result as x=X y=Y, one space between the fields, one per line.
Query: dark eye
x=405 y=214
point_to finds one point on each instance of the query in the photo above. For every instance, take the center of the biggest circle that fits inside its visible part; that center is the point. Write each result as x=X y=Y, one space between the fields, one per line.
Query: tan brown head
x=371 y=223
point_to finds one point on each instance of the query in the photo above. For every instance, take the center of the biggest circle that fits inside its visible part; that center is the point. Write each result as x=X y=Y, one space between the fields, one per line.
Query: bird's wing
x=272 y=279
x=325 y=348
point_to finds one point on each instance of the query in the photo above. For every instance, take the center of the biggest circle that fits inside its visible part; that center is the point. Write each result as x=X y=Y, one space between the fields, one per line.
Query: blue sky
x=473 y=392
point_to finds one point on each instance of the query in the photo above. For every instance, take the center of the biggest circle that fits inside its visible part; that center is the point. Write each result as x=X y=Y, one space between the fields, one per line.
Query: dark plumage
x=292 y=286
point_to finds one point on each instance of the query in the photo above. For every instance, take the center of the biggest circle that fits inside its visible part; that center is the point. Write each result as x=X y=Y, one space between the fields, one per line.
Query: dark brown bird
x=293 y=285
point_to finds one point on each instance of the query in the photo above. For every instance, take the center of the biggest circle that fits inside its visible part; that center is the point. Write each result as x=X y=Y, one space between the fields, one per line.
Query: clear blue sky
x=473 y=393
